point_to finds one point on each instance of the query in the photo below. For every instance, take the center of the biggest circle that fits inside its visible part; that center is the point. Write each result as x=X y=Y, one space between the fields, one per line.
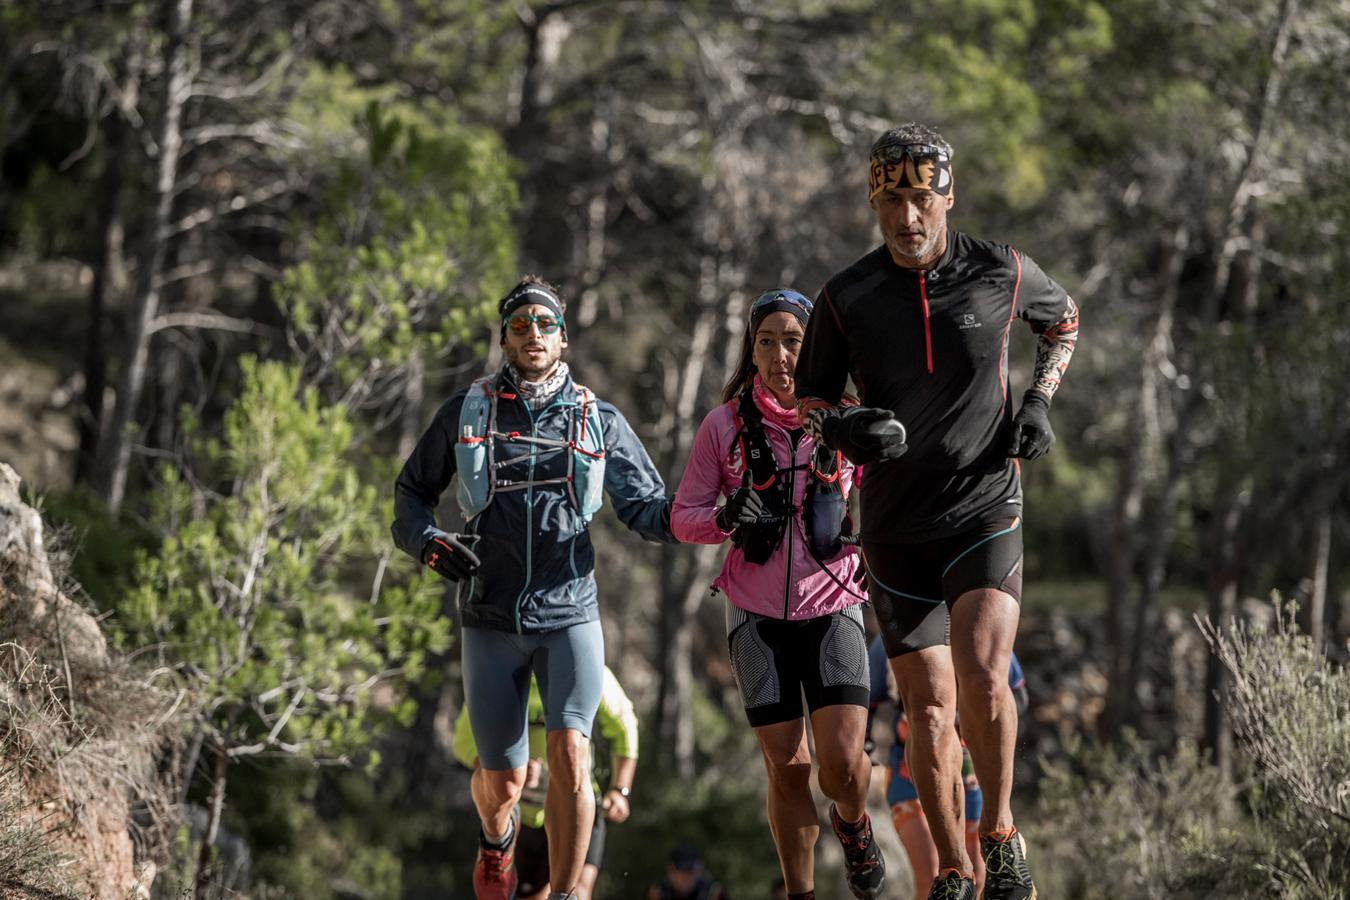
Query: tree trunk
x=110 y=284
x=1144 y=442
x=591 y=252
x=1152 y=577
x=1223 y=596
x=410 y=422
x=215 y=807
x=1314 y=613
x=674 y=718
x=115 y=449
x=1129 y=501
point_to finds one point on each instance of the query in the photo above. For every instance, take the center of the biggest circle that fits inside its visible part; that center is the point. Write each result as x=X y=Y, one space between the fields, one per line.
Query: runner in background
x=902 y=798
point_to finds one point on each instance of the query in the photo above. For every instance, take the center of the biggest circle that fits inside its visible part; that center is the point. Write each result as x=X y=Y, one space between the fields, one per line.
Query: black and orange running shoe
x=862 y=857
x=952 y=885
x=1006 y=876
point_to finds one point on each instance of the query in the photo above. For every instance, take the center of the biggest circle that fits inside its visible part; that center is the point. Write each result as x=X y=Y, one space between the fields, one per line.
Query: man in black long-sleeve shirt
x=921 y=324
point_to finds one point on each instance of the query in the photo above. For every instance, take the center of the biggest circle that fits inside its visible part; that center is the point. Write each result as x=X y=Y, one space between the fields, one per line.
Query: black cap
x=685 y=856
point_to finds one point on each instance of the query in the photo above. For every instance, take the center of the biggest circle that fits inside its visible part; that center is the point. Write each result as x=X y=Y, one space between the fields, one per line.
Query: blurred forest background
x=247 y=247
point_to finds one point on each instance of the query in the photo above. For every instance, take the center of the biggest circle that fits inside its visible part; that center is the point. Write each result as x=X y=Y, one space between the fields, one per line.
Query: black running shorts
x=532 y=854
x=912 y=586
x=776 y=660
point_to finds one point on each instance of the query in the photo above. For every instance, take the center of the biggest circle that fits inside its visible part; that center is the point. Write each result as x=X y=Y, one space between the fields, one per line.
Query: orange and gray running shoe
x=1006 y=876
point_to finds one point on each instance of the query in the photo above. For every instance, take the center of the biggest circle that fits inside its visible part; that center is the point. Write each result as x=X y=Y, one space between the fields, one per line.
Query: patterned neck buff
x=538 y=394
x=922 y=166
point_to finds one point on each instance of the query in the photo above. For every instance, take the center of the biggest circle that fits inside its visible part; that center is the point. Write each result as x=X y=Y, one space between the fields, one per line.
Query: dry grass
x=80 y=737
x=1139 y=821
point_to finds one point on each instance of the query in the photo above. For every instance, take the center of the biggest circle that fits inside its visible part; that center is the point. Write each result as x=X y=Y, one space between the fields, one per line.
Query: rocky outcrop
x=60 y=698
x=28 y=592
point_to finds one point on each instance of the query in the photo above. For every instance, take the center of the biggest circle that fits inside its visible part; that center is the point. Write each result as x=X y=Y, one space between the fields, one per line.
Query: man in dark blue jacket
x=532 y=452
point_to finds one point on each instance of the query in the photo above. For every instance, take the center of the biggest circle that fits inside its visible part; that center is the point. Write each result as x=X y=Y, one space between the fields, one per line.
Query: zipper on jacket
x=529 y=505
x=791 y=522
x=529 y=517
x=927 y=328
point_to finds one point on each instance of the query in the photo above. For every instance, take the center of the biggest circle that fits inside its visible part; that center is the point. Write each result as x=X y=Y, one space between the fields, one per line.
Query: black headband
x=779 y=300
x=773 y=306
x=525 y=295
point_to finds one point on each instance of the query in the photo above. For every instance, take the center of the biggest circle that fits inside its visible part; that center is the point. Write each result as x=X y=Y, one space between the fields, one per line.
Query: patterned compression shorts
x=776 y=660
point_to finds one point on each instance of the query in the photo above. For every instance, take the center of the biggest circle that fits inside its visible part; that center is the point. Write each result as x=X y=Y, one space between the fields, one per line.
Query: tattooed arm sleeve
x=1053 y=315
x=1054 y=349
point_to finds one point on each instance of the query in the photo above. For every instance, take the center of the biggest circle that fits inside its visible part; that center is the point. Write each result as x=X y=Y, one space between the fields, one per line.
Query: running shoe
x=1006 y=876
x=862 y=858
x=950 y=885
x=494 y=871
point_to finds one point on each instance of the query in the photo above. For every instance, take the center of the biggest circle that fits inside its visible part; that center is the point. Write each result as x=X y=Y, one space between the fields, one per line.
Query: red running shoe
x=494 y=871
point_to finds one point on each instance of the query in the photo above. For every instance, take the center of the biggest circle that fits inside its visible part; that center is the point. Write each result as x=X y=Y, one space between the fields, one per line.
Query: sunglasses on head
x=520 y=323
x=790 y=297
x=916 y=152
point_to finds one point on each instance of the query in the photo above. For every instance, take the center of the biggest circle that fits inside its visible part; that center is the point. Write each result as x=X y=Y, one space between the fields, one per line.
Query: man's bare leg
x=569 y=809
x=927 y=683
x=984 y=623
x=495 y=793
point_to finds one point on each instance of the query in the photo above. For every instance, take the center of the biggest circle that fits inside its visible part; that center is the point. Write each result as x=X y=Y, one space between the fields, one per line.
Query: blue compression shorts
x=569 y=665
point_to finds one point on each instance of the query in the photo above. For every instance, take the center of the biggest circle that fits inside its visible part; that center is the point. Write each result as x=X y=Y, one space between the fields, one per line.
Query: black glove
x=744 y=507
x=865 y=435
x=1031 y=435
x=450 y=556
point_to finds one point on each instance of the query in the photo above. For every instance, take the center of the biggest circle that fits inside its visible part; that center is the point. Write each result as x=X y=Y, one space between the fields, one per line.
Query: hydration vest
x=480 y=442
x=823 y=508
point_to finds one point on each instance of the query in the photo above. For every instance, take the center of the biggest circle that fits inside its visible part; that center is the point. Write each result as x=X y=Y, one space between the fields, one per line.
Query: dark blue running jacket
x=538 y=564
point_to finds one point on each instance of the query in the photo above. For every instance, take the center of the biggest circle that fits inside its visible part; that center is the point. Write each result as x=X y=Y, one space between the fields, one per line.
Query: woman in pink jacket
x=794 y=614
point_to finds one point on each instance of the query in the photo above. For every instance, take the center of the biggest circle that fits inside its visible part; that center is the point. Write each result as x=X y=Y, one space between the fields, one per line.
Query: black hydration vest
x=824 y=510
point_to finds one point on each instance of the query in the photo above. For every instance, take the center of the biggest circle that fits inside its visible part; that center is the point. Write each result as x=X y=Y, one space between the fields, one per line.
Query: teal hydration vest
x=479 y=443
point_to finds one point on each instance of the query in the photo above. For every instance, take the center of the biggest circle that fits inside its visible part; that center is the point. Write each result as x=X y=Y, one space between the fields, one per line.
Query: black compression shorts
x=775 y=660
x=913 y=586
x=532 y=854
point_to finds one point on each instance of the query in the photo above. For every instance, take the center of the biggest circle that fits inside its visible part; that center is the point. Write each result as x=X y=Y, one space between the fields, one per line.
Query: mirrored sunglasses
x=547 y=322
x=792 y=298
x=917 y=152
